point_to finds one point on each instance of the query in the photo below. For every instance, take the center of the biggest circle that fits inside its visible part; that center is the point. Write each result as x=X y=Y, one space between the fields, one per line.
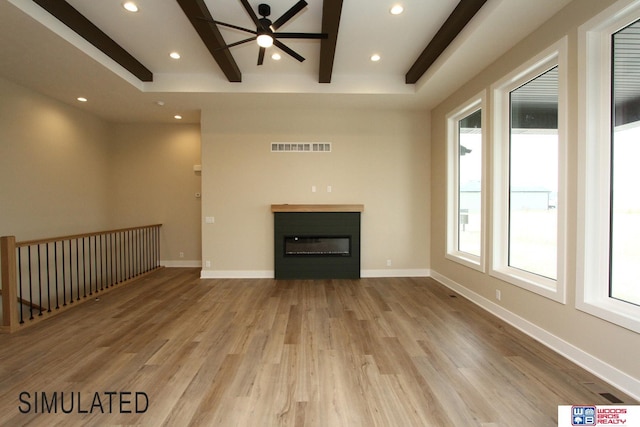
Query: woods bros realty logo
x=594 y=415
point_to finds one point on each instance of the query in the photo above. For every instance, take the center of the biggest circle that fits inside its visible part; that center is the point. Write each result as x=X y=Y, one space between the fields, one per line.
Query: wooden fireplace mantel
x=317 y=208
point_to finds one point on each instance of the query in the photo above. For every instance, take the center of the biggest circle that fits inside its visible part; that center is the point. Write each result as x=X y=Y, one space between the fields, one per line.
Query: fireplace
x=317 y=241
x=317 y=246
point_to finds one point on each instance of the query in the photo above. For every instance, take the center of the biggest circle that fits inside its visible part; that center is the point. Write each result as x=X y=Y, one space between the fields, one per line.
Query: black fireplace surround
x=317 y=245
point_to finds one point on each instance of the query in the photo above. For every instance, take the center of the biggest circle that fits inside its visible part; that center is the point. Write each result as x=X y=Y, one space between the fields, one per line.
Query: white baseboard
x=181 y=263
x=269 y=274
x=395 y=273
x=236 y=274
x=603 y=370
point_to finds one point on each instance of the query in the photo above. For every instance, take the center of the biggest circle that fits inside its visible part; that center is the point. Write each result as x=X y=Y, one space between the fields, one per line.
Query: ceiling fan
x=265 y=32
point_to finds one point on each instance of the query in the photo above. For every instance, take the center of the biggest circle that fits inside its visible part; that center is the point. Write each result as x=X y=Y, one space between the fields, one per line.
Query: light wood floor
x=370 y=352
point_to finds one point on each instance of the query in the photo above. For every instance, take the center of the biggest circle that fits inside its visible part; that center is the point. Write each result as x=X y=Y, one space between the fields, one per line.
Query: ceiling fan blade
x=235 y=27
x=261 y=55
x=236 y=43
x=301 y=35
x=251 y=13
x=288 y=50
x=288 y=15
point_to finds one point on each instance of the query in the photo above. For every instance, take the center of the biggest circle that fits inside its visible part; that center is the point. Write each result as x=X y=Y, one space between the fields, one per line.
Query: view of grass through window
x=533 y=176
x=625 y=146
x=470 y=188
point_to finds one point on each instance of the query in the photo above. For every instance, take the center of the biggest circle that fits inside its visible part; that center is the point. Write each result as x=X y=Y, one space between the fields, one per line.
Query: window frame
x=594 y=167
x=555 y=55
x=477 y=103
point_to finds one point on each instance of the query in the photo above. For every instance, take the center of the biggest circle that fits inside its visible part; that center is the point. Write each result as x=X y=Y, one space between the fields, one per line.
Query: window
x=465 y=217
x=529 y=206
x=533 y=176
x=608 y=206
x=625 y=153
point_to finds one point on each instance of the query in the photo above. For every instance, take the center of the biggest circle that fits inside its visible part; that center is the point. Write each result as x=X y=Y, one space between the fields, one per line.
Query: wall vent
x=300 y=147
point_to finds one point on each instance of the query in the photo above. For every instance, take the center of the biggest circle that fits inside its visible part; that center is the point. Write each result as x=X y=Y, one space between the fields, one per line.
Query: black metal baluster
x=140 y=249
x=130 y=254
x=144 y=250
x=125 y=261
x=118 y=257
x=155 y=246
x=95 y=259
x=64 y=279
x=111 y=283
x=134 y=253
x=20 y=282
x=121 y=250
x=70 y=274
x=150 y=255
x=55 y=254
x=101 y=265
x=116 y=240
x=78 y=268
x=84 y=270
x=139 y=242
x=30 y=287
x=90 y=278
x=48 y=280
x=39 y=281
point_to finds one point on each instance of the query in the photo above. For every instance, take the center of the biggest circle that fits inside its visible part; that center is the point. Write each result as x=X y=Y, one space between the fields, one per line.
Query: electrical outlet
x=388 y=263
x=498 y=294
x=207 y=264
x=181 y=255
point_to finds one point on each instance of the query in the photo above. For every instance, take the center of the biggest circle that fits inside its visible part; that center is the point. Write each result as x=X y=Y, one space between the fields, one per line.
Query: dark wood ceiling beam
x=459 y=18
x=198 y=14
x=331 y=11
x=73 y=19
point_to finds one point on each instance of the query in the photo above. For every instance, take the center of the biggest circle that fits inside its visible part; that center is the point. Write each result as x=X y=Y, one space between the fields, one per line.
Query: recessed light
x=177 y=117
x=276 y=57
x=375 y=57
x=174 y=55
x=130 y=6
x=396 y=9
x=81 y=99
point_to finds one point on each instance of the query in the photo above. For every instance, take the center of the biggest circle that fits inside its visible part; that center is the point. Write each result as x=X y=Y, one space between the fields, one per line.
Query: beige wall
x=53 y=166
x=616 y=347
x=153 y=181
x=379 y=159
x=63 y=171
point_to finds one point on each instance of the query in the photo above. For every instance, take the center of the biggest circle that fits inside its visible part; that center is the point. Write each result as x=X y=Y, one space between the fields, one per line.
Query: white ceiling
x=40 y=52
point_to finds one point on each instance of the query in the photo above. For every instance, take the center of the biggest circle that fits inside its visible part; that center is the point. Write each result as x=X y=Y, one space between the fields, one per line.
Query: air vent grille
x=300 y=147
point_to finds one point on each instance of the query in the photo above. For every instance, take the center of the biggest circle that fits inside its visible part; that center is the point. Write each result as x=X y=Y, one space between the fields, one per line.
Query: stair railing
x=44 y=277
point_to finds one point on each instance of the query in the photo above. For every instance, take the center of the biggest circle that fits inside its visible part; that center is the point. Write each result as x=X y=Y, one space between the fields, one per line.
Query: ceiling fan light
x=265 y=40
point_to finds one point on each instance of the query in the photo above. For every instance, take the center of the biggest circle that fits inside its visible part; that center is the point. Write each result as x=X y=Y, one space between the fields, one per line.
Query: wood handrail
x=78 y=236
